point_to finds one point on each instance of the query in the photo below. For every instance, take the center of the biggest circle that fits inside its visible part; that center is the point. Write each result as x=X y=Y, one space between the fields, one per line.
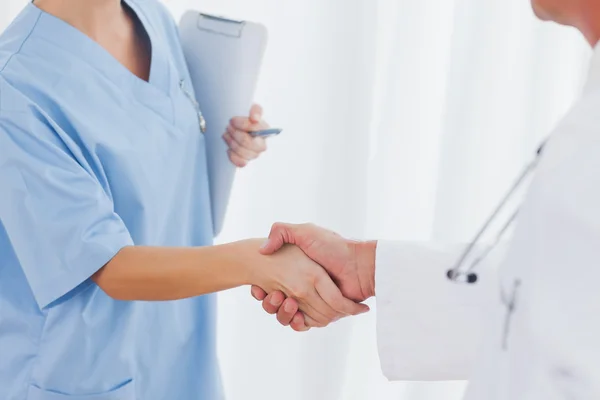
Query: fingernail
x=265 y=244
x=256 y=117
x=288 y=307
x=275 y=301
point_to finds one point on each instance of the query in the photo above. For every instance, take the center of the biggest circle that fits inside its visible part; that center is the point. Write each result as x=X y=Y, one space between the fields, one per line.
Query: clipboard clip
x=220 y=25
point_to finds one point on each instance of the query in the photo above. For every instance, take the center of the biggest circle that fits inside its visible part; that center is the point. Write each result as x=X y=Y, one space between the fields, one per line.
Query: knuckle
x=278 y=226
x=308 y=226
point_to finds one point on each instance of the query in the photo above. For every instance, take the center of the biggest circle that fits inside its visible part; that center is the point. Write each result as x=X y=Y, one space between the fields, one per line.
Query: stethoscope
x=201 y=119
x=462 y=272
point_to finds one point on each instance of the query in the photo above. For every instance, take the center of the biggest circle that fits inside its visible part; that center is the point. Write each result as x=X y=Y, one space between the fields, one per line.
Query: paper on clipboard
x=224 y=58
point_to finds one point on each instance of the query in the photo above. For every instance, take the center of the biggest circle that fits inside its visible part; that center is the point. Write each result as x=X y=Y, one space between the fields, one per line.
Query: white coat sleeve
x=428 y=327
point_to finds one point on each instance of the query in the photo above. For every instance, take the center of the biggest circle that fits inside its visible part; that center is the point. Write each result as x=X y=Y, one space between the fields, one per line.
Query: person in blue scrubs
x=107 y=268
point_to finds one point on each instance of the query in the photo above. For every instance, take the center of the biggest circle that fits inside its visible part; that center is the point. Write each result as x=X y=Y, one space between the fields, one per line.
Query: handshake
x=320 y=277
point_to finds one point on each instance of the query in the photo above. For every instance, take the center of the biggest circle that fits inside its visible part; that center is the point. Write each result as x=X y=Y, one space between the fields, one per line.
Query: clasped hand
x=344 y=277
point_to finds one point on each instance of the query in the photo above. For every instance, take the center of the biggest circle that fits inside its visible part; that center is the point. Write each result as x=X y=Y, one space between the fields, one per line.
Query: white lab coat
x=432 y=329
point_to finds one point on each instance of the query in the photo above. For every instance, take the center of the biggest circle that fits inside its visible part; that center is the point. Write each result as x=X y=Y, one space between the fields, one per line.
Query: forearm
x=162 y=273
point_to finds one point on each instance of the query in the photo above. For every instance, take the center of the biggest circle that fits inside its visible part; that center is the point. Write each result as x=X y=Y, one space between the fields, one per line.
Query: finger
x=236 y=160
x=309 y=322
x=280 y=234
x=298 y=324
x=256 y=113
x=272 y=302
x=287 y=311
x=247 y=125
x=245 y=140
x=332 y=295
x=258 y=293
x=317 y=309
x=244 y=152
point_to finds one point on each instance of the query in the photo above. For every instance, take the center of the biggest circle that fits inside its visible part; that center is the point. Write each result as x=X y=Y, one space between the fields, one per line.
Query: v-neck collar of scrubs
x=73 y=40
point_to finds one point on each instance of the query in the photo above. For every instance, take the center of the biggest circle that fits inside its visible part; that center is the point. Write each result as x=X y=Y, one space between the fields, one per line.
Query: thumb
x=280 y=235
x=256 y=113
x=332 y=295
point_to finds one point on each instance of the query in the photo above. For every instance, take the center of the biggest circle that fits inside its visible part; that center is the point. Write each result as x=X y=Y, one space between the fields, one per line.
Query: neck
x=89 y=16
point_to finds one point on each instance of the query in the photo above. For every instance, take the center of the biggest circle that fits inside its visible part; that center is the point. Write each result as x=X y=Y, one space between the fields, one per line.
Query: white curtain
x=403 y=120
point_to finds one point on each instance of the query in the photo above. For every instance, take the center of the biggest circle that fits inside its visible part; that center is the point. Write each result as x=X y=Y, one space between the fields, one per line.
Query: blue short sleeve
x=60 y=221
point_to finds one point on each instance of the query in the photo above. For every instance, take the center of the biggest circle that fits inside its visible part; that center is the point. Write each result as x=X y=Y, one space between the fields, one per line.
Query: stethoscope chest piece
x=459 y=277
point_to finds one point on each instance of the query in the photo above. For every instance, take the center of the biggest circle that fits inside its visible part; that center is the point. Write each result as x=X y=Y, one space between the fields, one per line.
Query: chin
x=540 y=11
x=558 y=11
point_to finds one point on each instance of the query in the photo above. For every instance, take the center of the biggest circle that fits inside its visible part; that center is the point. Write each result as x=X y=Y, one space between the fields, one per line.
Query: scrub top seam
x=83 y=60
x=22 y=43
x=113 y=84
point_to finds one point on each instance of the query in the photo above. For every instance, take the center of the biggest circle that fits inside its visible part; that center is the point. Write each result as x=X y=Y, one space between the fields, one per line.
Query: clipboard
x=224 y=58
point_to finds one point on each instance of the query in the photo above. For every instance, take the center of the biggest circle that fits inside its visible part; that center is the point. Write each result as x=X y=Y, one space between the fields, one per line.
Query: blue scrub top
x=93 y=159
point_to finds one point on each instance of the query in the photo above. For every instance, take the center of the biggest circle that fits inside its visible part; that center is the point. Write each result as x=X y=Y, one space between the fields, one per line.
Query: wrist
x=365 y=261
x=247 y=261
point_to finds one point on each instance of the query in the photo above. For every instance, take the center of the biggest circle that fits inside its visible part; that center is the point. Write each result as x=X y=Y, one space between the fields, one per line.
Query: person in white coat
x=521 y=322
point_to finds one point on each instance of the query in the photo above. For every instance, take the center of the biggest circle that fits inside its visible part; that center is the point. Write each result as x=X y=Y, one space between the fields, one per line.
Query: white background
x=403 y=119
